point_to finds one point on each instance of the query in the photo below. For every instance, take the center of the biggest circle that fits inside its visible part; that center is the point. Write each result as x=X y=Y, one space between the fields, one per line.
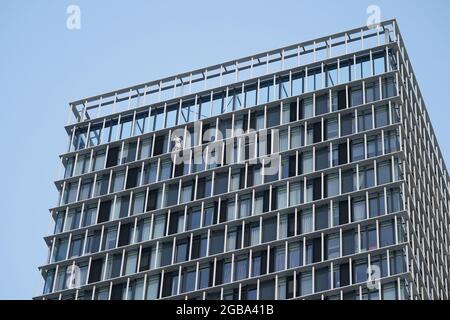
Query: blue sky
x=43 y=66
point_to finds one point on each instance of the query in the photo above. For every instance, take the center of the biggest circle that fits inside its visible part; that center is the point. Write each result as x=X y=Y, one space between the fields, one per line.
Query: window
x=138 y=203
x=314 y=79
x=159 y=226
x=140 y=124
x=166 y=170
x=143 y=230
x=110 y=239
x=322 y=158
x=181 y=251
x=332 y=185
x=359 y=271
x=125 y=127
x=194 y=218
x=244 y=206
x=273 y=117
x=241 y=268
x=305 y=283
x=70 y=193
x=374 y=146
x=188 y=280
x=150 y=173
x=332 y=128
x=118 y=181
x=295 y=258
x=296 y=137
x=389 y=291
x=254 y=234
x=295 y=194
x=267 y=290
x=306 y=221
x=203 y=277
x=348 y=182
x=379 y=63
x=322 y=279
x=281 y=197
x=366 y=177
x=110 y=133
x=322 y=218
x=347 y=124
x=76 y=248
x=279 y=253
x=394 y=201
x=99 y=160
x=391 y=141
x=356 y=96
x=376 y=204
x=226 y=272
x=129 y=152
x=283 y=226
x=321 y=104
x=368 y=238
x=384 y=172
x=307 y=108
x=131 y=261
x=331 y=75
x=216 y=242
x=186 y=193
x=152 y=291
x=136 y=289
x=286 y=113
x=333 y=246
x=381 y=116
x=235 y=179
x=250 y=96
x=283 y=87
x=145 y=149
x=372 y=92
x=283 y=137
x=389 y=89
x=90 y=215
x=358 y=150
x=60 y=249
x=359 y=209
x=386 y=234
x=364 y=120
x=73 y=219
x=269 y=229
x=297 y=83
x=307 y=163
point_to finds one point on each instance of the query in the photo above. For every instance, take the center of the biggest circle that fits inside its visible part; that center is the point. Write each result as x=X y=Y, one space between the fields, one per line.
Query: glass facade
x=253 y=181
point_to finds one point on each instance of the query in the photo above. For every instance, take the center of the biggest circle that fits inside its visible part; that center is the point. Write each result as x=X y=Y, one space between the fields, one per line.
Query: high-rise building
x=306 y=172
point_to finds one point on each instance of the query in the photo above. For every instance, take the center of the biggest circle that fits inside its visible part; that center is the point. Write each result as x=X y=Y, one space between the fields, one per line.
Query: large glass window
x=386 y=234
x=333 y=246
x=376 y=204
x=358 y=150
x=359 y=209
x=332 y=128
x=366 y=177
x=295 y=193
x=322 y=158
x=332 y=185
x=295 y=258
x=306 y=222
x=384 y=172
x=381 y=116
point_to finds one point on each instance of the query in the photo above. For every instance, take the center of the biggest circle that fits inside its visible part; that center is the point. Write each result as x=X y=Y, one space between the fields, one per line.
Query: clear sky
x=43 y=66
